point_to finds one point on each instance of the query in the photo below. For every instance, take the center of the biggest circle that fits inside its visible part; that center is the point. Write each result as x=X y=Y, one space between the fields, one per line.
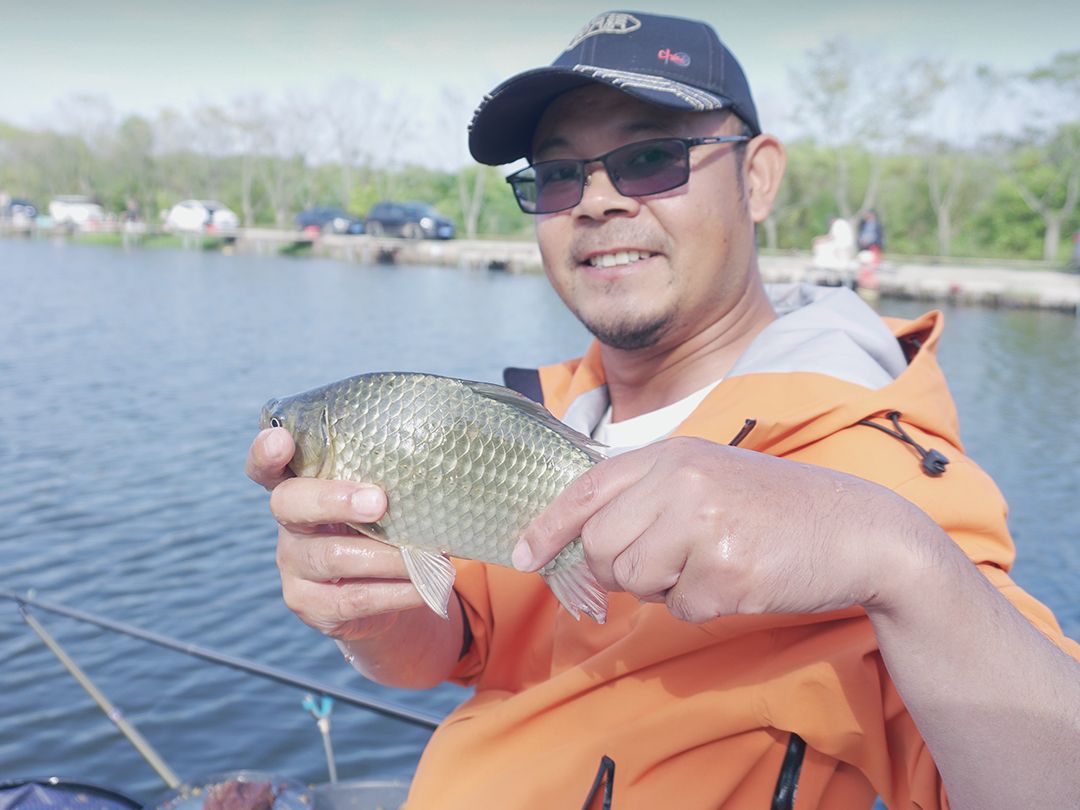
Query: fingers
x=649 y=565
x=712 y=530
x=335 y=558
x=708 y=586
x=628 y=542
x=306 y=504
x=337 y=582
x=339 y=609
x=652 y=522
x=564 y=518
x=269 y=456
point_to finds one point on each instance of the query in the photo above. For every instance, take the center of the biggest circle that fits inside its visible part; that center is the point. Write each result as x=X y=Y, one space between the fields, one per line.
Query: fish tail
x=578 y=591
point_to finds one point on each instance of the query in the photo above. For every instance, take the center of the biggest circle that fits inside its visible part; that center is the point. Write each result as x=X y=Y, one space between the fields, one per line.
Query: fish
x=465 y=465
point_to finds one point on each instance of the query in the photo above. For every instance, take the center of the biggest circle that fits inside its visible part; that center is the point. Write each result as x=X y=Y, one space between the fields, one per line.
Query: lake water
x=130 y=387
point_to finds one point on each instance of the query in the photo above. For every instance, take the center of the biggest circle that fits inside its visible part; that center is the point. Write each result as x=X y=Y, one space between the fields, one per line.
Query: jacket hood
x=827 y=330
x=827 y=362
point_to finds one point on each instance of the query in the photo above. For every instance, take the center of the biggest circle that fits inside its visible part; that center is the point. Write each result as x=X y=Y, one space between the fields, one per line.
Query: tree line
x=956 y=161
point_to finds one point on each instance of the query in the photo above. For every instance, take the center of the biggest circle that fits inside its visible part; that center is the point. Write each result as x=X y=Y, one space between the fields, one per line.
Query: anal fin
x=578 y=591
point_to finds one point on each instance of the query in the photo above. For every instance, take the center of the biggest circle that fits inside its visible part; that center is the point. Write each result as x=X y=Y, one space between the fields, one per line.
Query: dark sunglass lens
x=649 y=167
x=558 y=185
x=524 y=185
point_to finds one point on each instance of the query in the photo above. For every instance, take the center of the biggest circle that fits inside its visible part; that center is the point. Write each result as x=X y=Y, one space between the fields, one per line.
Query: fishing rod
x=417 y=718
x=112 y=712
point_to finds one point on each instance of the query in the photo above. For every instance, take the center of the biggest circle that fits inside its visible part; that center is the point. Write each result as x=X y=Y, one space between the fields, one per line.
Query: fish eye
x=276 y=422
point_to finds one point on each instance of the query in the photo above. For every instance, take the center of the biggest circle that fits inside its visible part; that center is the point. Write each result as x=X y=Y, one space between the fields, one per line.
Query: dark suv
x=329 y=219
x=411 y=220
x=21 y=212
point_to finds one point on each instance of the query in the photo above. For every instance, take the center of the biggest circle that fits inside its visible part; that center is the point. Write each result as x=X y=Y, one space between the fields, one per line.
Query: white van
x=76 y=211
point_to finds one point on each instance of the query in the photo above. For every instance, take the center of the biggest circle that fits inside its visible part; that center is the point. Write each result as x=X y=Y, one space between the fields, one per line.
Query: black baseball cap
x=670 y=61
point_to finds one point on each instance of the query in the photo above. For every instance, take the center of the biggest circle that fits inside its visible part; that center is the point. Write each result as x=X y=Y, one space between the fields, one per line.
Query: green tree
x=859 y=107
x=804 y=204
x=131 y=179
x=955 y=179
x=1046 y=175
x=1003 y=225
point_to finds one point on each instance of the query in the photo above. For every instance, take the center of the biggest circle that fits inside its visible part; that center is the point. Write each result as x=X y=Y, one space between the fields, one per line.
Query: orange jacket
x=699 y=716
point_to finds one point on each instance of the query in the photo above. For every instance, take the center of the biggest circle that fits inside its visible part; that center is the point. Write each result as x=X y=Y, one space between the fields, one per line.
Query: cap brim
x=503 y=125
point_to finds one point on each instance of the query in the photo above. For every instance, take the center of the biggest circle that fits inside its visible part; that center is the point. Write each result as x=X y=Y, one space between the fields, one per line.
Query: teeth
x=621 y=257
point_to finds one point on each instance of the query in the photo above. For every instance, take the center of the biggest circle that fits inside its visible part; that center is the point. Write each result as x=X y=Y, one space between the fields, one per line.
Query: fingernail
x=367 y=502
x=522 y=557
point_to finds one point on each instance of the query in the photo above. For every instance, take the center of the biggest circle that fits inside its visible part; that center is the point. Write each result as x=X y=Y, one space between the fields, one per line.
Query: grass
x=297 y=249
x=167 y=241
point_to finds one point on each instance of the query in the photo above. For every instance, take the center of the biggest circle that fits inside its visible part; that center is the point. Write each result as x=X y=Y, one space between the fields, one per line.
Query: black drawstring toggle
x=933 y=462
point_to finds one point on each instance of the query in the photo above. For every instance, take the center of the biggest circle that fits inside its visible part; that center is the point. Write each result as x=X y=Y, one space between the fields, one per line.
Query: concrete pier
x=895 y=278
x=985 y=283
x=956 y=283
x=512 y=256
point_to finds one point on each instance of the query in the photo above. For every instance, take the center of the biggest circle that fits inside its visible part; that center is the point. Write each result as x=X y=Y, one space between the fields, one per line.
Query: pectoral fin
x=433 y=575
x=372 y=530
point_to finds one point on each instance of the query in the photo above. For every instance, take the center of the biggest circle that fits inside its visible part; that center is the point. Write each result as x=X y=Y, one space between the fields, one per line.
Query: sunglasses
x=637 y=169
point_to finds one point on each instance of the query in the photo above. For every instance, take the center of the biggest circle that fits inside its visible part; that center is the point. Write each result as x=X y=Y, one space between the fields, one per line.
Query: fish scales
x=466 y=467
x=464 y=486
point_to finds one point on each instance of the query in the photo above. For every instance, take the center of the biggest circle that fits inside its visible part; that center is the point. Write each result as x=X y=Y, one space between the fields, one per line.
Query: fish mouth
x=267 y=414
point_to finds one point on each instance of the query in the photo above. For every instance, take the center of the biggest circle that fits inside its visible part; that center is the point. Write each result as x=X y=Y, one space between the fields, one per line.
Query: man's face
x=651 y=271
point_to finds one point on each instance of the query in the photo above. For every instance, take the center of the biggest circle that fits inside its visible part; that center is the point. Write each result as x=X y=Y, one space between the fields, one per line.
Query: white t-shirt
x=649 y=427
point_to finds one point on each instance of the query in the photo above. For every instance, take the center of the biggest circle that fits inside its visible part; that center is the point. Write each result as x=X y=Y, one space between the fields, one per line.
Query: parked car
x=20 y=213
x=329 y=219
x=201 y=215
x=76 y=211
x=412 y=220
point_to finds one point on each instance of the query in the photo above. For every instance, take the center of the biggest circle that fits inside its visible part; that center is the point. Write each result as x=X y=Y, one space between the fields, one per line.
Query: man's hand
x=340 y=582
x=335 y=579
x=713 y=530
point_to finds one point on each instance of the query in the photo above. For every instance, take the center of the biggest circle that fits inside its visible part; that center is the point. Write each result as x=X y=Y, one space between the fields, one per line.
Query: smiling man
x=823 y=610
x=640 y=270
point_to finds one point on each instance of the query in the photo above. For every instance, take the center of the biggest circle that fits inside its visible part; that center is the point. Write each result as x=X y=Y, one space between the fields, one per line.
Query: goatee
x=629 y=336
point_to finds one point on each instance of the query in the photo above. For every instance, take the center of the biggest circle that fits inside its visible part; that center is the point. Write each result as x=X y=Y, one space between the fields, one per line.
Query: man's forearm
x=415 y=649
x=997 y=703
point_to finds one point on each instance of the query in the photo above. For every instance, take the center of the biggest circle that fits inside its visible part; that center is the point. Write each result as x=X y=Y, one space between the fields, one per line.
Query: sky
x=142 y=57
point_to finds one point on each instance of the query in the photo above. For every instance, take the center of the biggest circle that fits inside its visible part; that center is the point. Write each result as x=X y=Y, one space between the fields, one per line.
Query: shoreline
x=953 y=281
x=961 y=282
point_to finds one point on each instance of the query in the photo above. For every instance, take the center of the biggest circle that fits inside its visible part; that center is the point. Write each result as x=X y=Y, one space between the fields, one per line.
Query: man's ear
x=763 y=165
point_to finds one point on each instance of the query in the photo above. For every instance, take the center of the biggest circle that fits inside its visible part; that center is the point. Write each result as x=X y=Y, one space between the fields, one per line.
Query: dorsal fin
x=505 y=396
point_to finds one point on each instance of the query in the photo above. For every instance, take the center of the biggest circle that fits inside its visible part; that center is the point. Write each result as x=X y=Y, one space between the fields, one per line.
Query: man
x=773 y=622
x=871 y=234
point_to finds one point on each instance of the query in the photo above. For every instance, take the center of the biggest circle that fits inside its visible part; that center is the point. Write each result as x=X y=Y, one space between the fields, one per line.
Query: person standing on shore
x=871 y=234
x=824 y=606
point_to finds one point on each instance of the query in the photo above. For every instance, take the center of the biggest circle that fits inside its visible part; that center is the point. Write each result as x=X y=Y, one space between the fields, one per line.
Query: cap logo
x=606 y=24
x=679 y=59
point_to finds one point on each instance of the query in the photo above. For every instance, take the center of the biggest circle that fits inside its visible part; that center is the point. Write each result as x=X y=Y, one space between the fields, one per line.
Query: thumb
x=269 y=456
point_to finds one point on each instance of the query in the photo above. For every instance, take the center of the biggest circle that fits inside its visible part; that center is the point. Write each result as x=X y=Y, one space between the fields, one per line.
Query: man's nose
x=600 y=199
